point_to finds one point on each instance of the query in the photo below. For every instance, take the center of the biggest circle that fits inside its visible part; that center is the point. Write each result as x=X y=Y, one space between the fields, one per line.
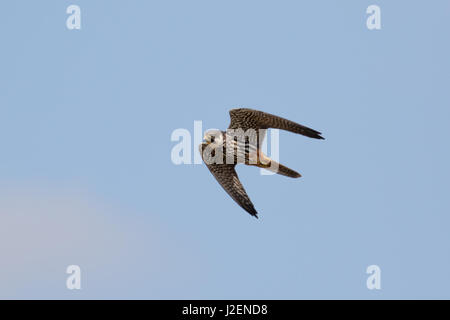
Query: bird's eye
x=212 y=139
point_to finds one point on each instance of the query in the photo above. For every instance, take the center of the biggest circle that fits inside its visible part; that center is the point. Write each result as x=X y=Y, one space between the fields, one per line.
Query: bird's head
x=213 y=136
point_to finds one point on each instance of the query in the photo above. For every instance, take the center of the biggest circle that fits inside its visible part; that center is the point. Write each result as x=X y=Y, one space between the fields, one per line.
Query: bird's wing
x=229 y=180
x=253 y=119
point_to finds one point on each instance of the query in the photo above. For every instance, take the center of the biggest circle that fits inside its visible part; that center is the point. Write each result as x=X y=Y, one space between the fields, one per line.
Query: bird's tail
x=271 y=165
x=283 y=170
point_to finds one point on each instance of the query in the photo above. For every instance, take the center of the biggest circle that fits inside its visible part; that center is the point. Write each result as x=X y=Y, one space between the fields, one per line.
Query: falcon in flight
x=222 y=150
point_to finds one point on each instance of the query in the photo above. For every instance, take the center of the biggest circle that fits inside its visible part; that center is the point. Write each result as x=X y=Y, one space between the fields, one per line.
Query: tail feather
x=280 y=169
x=285 y=171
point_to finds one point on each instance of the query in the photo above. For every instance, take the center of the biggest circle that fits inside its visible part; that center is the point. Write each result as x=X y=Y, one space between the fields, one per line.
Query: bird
x=241 y=143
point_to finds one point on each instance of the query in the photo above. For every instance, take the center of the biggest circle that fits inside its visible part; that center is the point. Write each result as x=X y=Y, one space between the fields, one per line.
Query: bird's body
x=240 y=144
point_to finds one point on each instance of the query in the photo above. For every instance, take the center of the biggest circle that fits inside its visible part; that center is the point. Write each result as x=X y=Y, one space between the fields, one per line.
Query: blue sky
x=86 y=176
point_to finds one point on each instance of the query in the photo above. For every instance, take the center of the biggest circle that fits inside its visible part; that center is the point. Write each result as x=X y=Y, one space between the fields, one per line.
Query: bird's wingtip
x=253 y=213
x=318 y=135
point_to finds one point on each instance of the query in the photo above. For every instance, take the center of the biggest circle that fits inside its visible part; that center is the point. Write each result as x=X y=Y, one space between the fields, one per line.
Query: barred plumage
x=241 y=144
